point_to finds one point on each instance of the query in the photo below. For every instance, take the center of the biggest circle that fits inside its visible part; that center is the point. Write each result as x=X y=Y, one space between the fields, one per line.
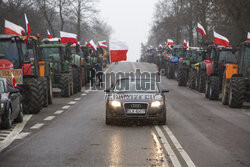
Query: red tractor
x=19 y=60
x=219 y=57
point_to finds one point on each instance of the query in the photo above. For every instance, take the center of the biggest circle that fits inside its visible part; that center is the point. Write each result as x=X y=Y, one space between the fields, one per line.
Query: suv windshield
x=9 y=51
x=136 y=85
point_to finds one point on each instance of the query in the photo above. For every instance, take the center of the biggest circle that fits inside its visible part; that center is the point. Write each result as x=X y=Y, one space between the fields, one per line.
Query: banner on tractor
x=18 y=74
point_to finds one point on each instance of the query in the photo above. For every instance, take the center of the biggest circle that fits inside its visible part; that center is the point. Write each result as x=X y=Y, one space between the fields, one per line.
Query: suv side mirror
x=164 y=90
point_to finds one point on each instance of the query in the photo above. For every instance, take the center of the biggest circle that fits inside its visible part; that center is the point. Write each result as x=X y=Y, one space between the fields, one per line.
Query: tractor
x=19 y=61
x=59 y=58
x=198 y=75
x=236 y=79
x=171 y=63
x=219 y=57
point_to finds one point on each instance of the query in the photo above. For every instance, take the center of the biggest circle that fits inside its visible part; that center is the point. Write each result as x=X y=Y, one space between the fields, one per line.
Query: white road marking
x=12 y=136
x=159 y=151
x=84 y=94
x=22 y=135
x=87 y=91
x=176 y=143
x=72 y=102
x=77 y=99
x=106 y=70
x=65 y=107
x=59 y=112
x=5 y=131
x=168 y=148
x=49 y=118
x=37 y=126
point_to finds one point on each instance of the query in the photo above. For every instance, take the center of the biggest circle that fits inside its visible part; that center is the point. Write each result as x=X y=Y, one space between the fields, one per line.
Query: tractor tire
x=214 y=89
x=50 y=90
x=84 y=77
x=193 y=79
x=225 y=90
x=202 y=82
x=44 y=82
x=171 y=71
x=32 y=92
x=76 y=77
x=237 y=91
x=65 y=85
x=182 y=77
x=207 y=87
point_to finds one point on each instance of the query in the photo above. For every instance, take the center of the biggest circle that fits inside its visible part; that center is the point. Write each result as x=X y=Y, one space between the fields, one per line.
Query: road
x=72 y=132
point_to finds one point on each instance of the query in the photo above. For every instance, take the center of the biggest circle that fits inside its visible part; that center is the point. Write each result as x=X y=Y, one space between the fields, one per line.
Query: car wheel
x=7 y=122
x=19 y=118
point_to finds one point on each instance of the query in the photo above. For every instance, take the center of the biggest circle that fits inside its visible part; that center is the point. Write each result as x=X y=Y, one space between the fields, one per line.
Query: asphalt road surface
x=72 y=132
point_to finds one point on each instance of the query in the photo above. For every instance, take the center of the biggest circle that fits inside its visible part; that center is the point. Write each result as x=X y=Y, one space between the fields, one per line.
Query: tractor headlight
x=156 y=104
x=116 y=103
x=2 y=105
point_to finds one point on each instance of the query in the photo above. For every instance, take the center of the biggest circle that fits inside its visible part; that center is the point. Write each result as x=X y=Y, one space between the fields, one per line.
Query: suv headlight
x=116 y=103
x=156 y=104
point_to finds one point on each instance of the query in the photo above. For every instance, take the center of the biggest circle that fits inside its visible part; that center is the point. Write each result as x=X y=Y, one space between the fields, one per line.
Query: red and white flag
x=13 y=80
x=49 y=35
x=118 y=51
x=13 y=29
x=102 y=44
x=170 y=42
x=220 y=40
x=28 y=30
x=68 y=37
x=201 y=30
x=248 y=36
x=92 y=45
x=184 y=44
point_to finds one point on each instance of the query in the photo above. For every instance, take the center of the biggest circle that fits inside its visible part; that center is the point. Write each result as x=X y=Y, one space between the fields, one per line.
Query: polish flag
x=170 y=42
x=68 y=37
x=14 y=80
x=13 y=29
x=28 y=30
x=49 y=35
x=92 y=45
x=184 y=44
x=201 y=30
x=102 y=44
x=220 y=40
x=248 y=36
x=118 y=51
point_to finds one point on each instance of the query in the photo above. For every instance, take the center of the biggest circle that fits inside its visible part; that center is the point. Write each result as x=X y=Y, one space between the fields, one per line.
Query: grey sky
x=130 y=20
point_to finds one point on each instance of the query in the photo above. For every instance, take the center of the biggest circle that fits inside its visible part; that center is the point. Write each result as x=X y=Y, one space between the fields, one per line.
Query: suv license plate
x=136 y=111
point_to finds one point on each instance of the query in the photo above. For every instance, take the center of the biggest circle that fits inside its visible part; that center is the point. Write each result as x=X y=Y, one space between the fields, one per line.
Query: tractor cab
x=12 y=51
x=244 y=60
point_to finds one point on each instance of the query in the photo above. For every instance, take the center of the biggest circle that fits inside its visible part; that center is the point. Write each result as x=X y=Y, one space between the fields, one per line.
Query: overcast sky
x=131 y=21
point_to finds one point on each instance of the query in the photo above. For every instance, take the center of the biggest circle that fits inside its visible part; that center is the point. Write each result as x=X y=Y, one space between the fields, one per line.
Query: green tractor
x=20 y=60
x=236 y=79
x=77 y=62
x=59 y=57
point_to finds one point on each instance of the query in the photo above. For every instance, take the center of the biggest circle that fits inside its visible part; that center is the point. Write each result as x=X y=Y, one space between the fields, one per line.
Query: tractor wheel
x=76 y=80
x=80 y=80
x=236 y=92
x=207 y=87
x=193 y=79
x=225 y=90
x=171 y=71
x=65 y=85
x=32 y=92
x=182 y=77
x=83 y=77
x=50 y=90
x=202 y=82
x=214 y=89
x=44 y=81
